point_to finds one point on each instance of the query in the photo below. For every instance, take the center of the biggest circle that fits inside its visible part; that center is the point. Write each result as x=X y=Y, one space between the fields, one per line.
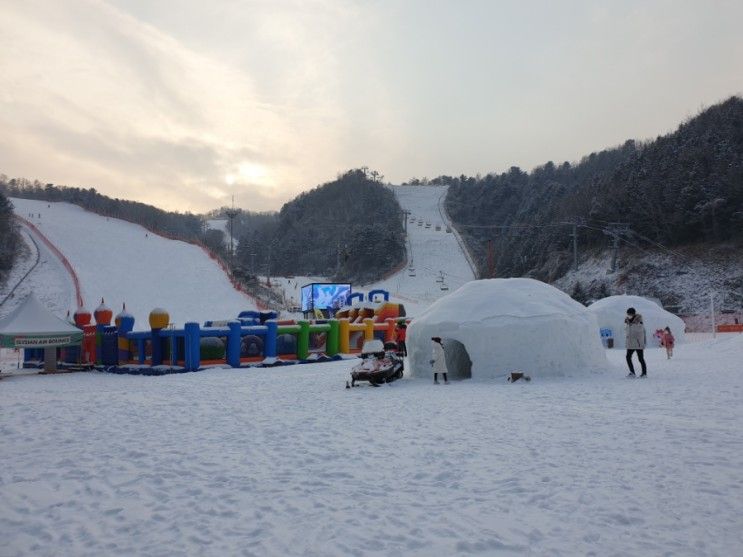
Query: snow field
x=124 y=263
x=286 y=461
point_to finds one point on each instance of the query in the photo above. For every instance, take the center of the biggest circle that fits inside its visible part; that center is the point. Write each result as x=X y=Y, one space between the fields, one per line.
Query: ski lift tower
x=231 y=214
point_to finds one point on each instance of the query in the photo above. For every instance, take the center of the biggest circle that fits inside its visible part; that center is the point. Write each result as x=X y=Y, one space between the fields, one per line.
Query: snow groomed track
x=437 y=263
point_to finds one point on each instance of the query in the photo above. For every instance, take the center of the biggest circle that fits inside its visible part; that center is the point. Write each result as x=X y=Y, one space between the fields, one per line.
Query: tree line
x=185 y=226
x=349 y=229
x=678 y=189
x=10 y=238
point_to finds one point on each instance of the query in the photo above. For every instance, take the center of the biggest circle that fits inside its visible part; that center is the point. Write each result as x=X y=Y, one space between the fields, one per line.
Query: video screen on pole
x=324 y=296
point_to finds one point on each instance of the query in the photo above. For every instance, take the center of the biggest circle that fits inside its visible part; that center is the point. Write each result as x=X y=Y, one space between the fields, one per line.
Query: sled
x=516 y=375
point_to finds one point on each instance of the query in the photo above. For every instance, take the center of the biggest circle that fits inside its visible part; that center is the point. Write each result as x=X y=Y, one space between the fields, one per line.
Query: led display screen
x=324 y=296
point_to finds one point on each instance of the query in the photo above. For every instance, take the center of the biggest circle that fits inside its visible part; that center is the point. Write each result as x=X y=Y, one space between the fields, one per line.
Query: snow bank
x=508 y=325
x=610 y=313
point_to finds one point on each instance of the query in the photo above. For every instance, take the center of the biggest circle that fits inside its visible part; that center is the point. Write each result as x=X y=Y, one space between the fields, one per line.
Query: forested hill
x=185 y=226
x=681 y=188
x=350 y=229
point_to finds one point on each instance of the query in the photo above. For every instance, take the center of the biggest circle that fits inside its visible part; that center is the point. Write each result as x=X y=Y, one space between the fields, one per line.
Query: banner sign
x=40 y=342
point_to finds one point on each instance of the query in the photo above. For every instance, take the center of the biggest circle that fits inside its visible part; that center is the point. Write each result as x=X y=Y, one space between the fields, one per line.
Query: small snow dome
x=159 y=318
x=610 y=313
x=103 y=314
x=82 y=317
x=506 y=325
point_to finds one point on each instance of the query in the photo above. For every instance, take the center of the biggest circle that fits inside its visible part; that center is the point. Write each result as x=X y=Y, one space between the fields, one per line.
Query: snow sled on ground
x=380 y=364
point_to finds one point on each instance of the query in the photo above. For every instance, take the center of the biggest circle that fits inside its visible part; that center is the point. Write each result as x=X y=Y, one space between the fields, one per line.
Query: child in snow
x=658 y=335
x=635 y=337
x=438 y=360
x=668 y=341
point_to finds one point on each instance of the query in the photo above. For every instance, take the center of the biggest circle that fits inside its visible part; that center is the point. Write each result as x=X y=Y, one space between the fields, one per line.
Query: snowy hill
x=124 y=263
x=682 y=280
x=41 y=272
x=431 y=253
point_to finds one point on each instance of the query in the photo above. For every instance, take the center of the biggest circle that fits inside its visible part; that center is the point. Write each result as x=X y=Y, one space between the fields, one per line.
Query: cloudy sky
x=181 y=103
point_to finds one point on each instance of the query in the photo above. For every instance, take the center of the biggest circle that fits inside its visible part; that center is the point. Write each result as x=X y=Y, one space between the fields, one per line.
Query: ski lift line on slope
x=624 y=239
x=435 y=272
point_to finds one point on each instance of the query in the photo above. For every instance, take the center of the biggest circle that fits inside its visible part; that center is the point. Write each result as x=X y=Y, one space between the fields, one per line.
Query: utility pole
x=575 y=246
x=712 y=312
x=575 y=224
x=337 y=259
x=615 y=230
x=268 y=267
x=491 y=260
x=405 y=214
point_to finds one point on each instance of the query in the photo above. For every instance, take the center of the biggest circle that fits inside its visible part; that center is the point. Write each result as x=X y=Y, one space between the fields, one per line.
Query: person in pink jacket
x=668 y=341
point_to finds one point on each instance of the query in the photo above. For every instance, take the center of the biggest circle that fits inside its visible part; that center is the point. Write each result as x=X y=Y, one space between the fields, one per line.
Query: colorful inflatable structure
x=255 y=338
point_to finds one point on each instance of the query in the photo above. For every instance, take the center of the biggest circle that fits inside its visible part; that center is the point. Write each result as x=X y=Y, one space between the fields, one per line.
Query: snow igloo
x=495 y=326
x=610 y=313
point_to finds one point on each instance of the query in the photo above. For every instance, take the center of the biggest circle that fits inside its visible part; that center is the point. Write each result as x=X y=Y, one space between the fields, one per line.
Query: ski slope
x=44 y=276
x=433 y=254
x=124 y=263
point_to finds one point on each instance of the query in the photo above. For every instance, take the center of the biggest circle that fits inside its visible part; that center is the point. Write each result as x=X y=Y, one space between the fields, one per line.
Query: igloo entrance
x=458 y=362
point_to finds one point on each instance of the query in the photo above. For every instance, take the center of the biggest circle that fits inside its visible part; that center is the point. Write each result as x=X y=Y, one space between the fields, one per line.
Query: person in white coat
x=438 y=360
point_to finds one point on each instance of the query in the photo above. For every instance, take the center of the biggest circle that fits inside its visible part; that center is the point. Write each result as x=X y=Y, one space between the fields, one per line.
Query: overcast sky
x=182 y=103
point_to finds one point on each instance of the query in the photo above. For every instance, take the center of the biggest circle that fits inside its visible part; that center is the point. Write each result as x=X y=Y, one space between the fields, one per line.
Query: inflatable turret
x=82 y=317
x=103 y=314
x=124 y=324
x=159 y=319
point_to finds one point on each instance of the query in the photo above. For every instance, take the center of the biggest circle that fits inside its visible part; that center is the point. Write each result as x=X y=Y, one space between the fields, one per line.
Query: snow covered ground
x=287 y=462
x=123 y=263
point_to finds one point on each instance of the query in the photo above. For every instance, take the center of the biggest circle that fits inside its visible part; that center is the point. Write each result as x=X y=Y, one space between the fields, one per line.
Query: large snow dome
x=507 y=325
x=610 y=313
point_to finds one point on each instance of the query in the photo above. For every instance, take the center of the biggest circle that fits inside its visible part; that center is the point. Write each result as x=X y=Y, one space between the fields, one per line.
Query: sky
x=183 y=104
